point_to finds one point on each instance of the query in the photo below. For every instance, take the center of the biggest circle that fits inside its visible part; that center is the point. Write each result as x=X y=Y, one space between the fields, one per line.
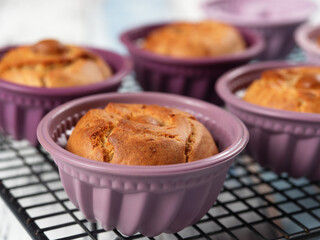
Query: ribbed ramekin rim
x=256 y=48
x=259 y=24
x=114 y=80
x=76 y=161
x=230 y=98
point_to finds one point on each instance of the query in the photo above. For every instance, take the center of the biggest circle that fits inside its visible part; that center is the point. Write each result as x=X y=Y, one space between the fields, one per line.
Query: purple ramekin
x=145 y=199
x=284 y=141
x=193 y=77
x=275 y=20
x=22 y=107
x=306 y=37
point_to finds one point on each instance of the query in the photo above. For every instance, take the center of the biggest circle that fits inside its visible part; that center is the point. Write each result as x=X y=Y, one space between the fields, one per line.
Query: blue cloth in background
x=120 y=15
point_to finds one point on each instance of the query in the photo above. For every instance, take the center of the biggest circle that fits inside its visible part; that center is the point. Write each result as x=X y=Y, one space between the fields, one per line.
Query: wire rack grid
x=255 y=203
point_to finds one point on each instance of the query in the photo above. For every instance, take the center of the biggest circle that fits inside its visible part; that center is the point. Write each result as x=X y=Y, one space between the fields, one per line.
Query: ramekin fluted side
x=20 y=115
x=283 y=141
x=146 y=199
x=22 y=107
x=279 y=40
x=283 y=146
x=193 y=77
x=275 y=20
x=196 y=83
x=135 y=205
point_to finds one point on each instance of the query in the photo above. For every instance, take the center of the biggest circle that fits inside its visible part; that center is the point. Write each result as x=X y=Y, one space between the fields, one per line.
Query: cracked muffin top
x=202 y=39
x=138 y=134
x=293 y=89
x=51 y=64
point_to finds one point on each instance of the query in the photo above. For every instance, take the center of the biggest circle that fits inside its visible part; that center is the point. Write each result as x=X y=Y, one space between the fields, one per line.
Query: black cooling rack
x=255 y=203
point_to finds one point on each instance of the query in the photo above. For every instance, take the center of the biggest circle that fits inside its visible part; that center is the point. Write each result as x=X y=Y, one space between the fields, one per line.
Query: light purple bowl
x=194 y=77
x=284 y=141
x=275 y=20
x=22 y=107
x=306 y=37
x=145 y=199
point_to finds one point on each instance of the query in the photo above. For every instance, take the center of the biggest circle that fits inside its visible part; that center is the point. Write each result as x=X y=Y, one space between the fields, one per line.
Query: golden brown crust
x=137 y=134
x=201 y=39
x=293 y=89
x=51 y=64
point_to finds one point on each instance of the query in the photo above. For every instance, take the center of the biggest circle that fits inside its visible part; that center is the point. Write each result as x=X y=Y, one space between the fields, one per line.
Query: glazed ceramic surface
x=22 y=107
x=194 y=77
x=146 y=199
x=275 y=20
x=307 y=37
x=284 y=141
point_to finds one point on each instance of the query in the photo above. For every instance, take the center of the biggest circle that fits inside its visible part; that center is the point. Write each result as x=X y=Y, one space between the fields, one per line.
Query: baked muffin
x=293 y=89
x=203 y=39
x=138 y=134
x=51 y=64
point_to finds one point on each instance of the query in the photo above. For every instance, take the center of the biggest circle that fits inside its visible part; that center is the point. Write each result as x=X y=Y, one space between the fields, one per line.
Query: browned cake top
x=201 y=39
x=49 y=63
x=138 y=134
x=294 y=89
